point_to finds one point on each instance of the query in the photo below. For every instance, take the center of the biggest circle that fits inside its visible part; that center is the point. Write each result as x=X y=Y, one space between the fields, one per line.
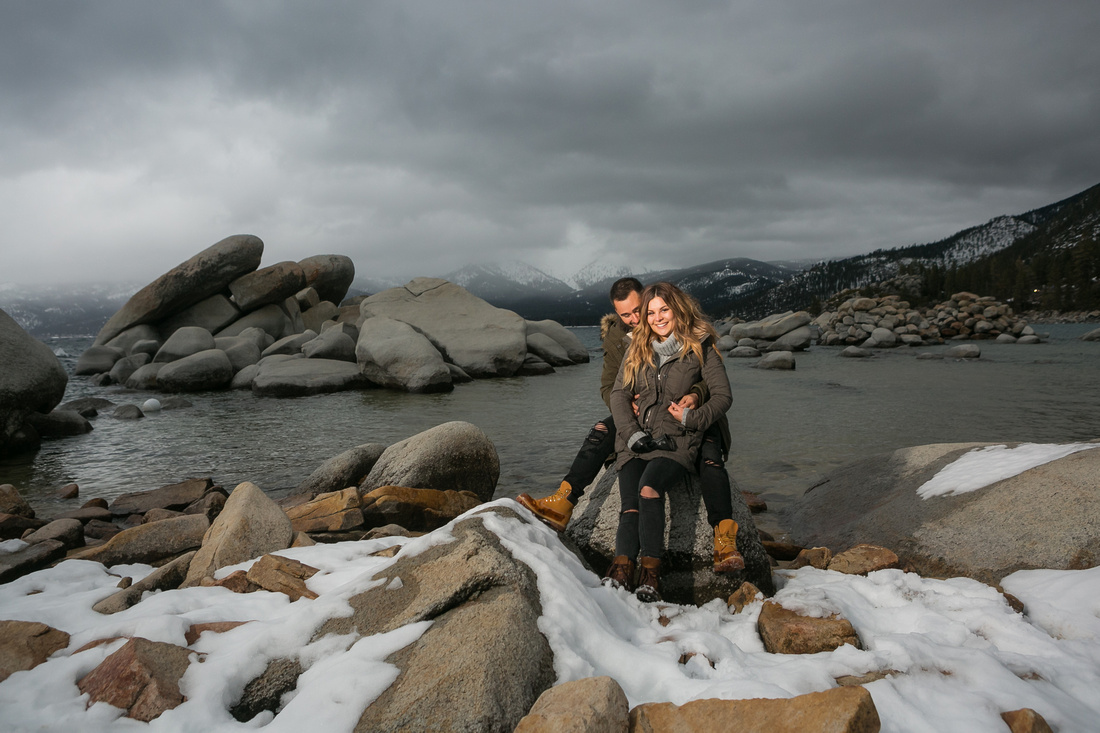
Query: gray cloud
x=418 y=137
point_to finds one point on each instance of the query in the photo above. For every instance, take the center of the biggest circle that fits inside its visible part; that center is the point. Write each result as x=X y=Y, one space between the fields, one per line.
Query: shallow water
x=789 y=428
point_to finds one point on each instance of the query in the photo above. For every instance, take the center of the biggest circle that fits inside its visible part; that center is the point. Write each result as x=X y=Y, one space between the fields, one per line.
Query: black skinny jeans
x=597 y=448
x=643 y=530
x=642 y=522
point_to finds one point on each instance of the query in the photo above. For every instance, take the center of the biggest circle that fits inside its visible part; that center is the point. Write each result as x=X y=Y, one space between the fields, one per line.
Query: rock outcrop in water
x=883 y=322
x=1045 y=517
x=217 y=322
x=32 y=384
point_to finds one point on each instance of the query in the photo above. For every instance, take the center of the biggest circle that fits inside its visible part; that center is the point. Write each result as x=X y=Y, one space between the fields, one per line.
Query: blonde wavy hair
x=691 y=329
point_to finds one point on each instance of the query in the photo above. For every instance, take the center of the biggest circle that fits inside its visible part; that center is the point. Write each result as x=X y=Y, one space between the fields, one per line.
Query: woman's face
x=660 y=317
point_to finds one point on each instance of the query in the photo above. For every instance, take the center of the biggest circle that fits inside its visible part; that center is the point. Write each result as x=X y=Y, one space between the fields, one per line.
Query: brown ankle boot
x=621 y=573
x=649 y=585
x=555 y=510
x=726 y=557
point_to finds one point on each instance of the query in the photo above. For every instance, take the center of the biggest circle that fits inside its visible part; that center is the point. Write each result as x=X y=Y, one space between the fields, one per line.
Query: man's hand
x=687 y=402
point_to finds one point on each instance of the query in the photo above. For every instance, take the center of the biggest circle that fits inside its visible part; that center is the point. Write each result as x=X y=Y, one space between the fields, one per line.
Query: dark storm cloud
x=418 y=137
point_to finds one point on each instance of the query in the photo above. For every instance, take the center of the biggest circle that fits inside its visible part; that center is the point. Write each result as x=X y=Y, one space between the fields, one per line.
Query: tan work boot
x=621 y=573
x=555 y=510
x=649 y=580
x=726 y=557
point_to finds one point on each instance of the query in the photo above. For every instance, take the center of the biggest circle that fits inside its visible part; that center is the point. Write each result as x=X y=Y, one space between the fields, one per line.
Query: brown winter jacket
x=656 y=388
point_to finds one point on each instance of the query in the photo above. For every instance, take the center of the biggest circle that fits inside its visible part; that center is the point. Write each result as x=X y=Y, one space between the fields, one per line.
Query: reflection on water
x=790 y=428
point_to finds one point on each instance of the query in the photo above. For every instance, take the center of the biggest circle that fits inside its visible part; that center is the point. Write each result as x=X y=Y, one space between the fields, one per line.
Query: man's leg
x=557 y=508
x=597 y=447
x=714 y=483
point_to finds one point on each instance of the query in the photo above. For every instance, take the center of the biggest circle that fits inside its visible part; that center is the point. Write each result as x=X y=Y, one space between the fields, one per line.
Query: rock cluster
x=216 y=321
x=889 y=321
x=419 y=484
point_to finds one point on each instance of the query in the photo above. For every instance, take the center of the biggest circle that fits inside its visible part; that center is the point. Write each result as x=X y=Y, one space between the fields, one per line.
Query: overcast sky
x=417 y=137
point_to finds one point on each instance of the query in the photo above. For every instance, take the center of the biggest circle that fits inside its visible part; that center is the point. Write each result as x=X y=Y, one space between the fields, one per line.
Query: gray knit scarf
x=666 y=349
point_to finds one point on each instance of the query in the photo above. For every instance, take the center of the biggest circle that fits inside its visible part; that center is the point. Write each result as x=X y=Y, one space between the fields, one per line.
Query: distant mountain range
x=1045 y=258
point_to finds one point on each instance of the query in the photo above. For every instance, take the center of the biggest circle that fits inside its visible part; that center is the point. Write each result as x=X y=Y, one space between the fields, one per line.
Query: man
x=556 y=509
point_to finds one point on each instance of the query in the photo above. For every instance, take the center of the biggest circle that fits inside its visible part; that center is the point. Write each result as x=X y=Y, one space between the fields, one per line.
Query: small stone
x=754 y=502
x=125 y=583
x=863 y=559
x=68 y=491
x=196 y=630
x=237 y=581
x=1026 y=720
x=590 y=704
x=781 y=550
x=786 y=632
x=817 y=557
x=863 y=679
x=747 y=593
x=98 y=503
x=282 y=575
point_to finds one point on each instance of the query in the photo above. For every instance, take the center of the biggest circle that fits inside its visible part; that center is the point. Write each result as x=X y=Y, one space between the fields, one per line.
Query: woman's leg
x=626 y=537
x=659 y=476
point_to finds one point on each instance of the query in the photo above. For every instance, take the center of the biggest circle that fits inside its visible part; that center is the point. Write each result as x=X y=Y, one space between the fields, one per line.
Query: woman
x=658 y=440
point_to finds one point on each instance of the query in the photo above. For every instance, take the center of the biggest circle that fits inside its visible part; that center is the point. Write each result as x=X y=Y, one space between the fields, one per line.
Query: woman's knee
x=648 y=492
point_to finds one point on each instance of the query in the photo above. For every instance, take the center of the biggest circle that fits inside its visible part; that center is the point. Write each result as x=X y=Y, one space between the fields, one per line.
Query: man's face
x=629 y=310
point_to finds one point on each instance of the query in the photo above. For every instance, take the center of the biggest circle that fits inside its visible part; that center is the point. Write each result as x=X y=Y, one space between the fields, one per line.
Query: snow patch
x=984 y=466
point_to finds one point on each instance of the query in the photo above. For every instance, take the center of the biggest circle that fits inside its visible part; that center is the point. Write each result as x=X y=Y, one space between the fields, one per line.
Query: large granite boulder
x=272 y=284
x=176 y=496
x=125 y=367
x=271 y=319
x=393 y=354
x=207 y=273
x=329 y=275
x=212 y=314
x=479 y=667
x=771 y=327
x=31 y=380
x=568 y=340
x=133 y=336
x=687 y=574
x=290 y=377
x=316 y=317
x=186 y=340
x=455 y=455
x=547 y=349
x=1045 y=517
x=199 y=372
x=485 y=341
x=150 y=543
x=97 y=360
x=332 y=344
x=339 y=472
x=240 y=350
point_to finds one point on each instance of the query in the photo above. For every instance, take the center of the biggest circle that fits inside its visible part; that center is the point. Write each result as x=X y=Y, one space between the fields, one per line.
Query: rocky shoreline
x=439 y=481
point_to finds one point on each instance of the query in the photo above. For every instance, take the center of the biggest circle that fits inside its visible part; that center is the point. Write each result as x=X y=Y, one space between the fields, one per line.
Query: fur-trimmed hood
x=608 y=322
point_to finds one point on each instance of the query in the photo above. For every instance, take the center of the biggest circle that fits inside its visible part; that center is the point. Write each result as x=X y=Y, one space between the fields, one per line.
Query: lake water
x=790 y=429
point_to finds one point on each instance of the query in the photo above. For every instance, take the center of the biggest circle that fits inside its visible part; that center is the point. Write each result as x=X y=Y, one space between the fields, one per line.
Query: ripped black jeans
x=598 y=447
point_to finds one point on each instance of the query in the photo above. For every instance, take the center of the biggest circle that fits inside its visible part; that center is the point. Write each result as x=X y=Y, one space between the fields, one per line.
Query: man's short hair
x=623 y=287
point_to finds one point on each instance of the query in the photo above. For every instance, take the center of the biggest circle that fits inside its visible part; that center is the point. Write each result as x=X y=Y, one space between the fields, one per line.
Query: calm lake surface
x=790 y=429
